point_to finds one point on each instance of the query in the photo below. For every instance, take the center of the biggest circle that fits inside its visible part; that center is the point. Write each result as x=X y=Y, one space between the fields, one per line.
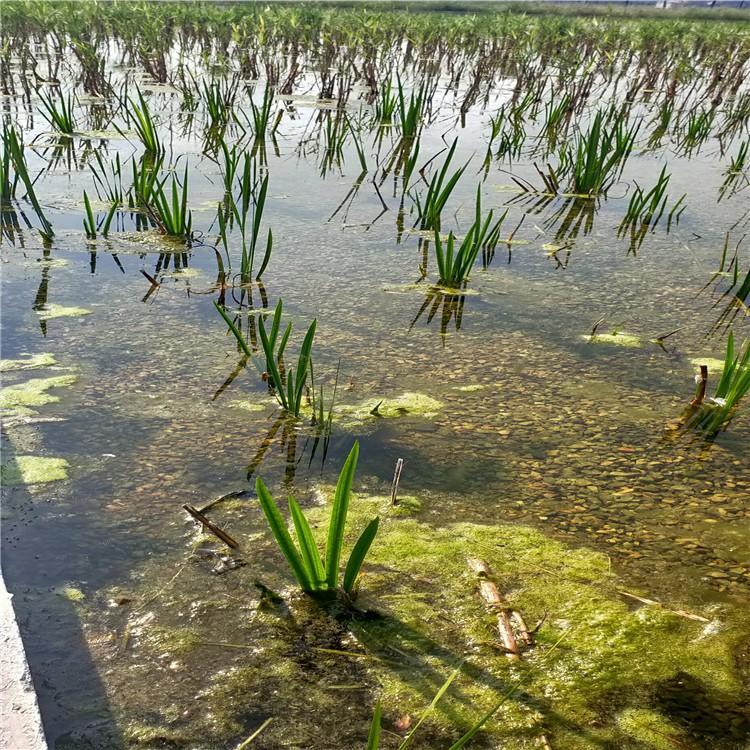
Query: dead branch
x=489 y=591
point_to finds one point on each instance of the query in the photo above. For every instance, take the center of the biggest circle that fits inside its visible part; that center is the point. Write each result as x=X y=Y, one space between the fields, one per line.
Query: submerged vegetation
x=364 y=165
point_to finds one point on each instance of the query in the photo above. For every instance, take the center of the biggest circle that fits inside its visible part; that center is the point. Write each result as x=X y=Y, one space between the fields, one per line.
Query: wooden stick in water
x=396 y=480
x=213 y=528
x=701 y=391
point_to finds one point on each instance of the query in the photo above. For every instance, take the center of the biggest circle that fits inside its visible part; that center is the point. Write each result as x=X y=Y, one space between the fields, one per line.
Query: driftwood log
x=507 y=617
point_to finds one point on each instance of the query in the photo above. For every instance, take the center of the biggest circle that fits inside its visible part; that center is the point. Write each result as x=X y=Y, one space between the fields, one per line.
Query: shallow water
x=538 y=425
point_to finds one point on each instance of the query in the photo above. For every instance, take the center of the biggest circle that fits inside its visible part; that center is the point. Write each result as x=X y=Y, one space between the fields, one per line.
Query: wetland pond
x=538 y=400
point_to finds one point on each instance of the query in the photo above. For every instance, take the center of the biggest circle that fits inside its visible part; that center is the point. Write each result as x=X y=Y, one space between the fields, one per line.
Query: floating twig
x=246 y=743
x=153 y=281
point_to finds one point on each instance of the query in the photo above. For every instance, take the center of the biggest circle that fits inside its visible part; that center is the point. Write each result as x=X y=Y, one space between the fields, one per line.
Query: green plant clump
x=320 y=576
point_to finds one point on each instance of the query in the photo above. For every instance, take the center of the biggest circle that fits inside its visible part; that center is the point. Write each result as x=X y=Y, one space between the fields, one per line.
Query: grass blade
x=373 y=739
x=440 y=693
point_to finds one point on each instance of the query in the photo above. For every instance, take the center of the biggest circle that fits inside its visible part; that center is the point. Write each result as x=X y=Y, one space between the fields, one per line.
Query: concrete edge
x=20 y=719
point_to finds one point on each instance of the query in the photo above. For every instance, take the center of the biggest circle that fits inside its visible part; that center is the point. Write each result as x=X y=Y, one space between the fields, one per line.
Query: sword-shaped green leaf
x=282 y=536
x=361 y=548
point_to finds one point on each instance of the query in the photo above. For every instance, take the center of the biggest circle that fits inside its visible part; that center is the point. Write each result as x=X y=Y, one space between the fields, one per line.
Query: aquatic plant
x=439 y=190
x=13 y=160
x=598 y=155
x=410 y=114
x=90 y=225
x=144 y=125
x=662 y=120
x=59 y=114
x=252 y=193
x=145 y=182
x=645 y=209
x=454 y=266
x=8 y=177
x=713 y=414
x=229 y=168
x=88 y=220
x=736 y=172
x=316 y=575
x=507 y=137
x=736 y=295
x=261 y=115
x=172 y=214
x=219 y=102
x=697 y=130
x=557 y=113
x=108 y=186
x=288 y=384
x=386 y=103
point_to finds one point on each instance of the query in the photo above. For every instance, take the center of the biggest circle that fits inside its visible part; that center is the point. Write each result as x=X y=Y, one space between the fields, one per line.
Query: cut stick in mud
x=700 y=393
x=213 y=528
x=491 y=595
x=396 y=480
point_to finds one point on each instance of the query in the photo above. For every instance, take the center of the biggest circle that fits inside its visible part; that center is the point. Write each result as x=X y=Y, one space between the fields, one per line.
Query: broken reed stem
x=213 y=528
x=396 y=480
x=246 y=743
x=700 y=393
x=654 y=603
x=153 y=281
x=491 y=595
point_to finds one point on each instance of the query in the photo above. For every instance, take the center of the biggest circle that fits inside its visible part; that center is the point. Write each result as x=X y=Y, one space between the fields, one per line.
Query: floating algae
x=51 y=311
x=33 y=470
x=715 y=366
x=616 y=338
x=33 y=362
x=252 y=406
x=607 y=647
x=71 y=593
x=17 y=400
x=407 y=404
x=652 y=729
